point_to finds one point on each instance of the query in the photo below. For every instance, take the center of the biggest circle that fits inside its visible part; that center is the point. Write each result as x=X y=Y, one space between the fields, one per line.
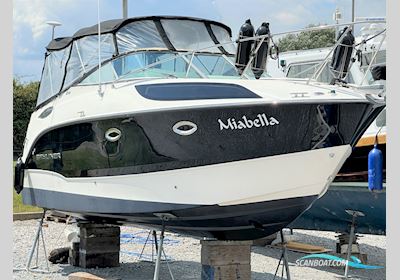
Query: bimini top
x=68 y=59
x=114 y=25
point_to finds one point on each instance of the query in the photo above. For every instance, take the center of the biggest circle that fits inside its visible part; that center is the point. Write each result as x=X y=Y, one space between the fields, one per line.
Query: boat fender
x=342 y=54
x=375 y=169
x=243 y=50
x=260 y=59
x=19 y=176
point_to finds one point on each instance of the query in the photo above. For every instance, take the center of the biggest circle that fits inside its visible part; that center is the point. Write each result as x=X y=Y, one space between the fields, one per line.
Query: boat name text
x=48 y=156
x=261 y=120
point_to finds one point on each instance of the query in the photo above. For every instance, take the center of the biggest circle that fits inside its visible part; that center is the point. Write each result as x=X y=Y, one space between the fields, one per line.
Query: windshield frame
x=179 y=54
x=79 y=80
x=187 y=56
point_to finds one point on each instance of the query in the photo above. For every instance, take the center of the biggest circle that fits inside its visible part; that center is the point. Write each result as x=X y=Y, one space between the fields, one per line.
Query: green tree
x=24 y=102
x=307 y=40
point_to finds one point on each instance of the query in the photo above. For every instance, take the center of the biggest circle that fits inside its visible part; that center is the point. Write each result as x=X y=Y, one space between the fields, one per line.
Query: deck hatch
x=194 y=91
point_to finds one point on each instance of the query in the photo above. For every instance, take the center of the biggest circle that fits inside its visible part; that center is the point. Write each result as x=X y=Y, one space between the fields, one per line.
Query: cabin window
x=139 y=35
x=213 y=65
x=379 y=59
x=107 y=74
x=381 y=119
x=53 y=74
x=303 y=71
x=223 y=37
x=306 y=71
x=189 y=35
x=85 y=56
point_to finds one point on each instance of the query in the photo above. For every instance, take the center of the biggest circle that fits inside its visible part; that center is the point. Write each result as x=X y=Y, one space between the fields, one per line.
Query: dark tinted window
x=193 y=91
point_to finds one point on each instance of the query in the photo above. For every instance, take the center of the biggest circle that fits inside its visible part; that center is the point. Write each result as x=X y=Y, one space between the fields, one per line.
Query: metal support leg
x=354 y=214
x=144 y=246
x=158 y=260
x=37 y=254
x=35 y=247
x=284 y=259
x=349 y=248
x=44 y=249
x=155 y=240
x=169 y=268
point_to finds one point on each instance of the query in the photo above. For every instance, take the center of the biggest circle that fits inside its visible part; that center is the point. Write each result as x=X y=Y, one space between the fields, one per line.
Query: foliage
x=19 y=207
x=307 y=40
x=24 y=101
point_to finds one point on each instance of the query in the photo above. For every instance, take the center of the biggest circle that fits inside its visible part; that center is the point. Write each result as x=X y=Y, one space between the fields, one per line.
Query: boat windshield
x=159 y=64
x=306 y=69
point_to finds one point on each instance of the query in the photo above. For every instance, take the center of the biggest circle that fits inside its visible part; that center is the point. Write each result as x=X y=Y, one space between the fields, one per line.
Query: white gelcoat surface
x=255 y=180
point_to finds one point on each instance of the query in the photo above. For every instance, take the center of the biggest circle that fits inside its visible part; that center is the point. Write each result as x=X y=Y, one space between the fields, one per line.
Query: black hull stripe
x=236 y=222
x=83 y=203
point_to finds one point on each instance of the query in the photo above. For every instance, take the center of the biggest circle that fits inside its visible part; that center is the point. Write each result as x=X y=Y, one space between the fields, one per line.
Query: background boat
x=328 y=212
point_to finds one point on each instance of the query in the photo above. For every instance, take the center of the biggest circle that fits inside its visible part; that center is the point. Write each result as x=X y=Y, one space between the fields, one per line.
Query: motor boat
x=151 y=121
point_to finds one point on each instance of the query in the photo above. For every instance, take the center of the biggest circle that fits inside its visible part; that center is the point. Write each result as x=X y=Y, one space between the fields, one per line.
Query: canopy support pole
x=124 y=8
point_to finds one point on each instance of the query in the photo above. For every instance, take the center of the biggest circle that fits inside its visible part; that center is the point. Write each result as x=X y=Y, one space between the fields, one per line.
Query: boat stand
x=35 y=247
x=153 y=246
x=354 y=215
x=283 y=259
x=160 y=250
x=145 y=244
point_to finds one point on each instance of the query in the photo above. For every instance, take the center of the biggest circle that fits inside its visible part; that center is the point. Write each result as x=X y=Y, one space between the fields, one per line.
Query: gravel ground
x=184 y=253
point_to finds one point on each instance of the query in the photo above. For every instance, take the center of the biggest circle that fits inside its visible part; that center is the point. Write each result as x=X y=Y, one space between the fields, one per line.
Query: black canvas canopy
x=59 y=43
x=68 y=59
x=113 y=25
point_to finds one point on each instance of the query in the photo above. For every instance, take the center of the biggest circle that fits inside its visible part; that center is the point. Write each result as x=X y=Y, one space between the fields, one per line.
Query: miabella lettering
x=261 y=120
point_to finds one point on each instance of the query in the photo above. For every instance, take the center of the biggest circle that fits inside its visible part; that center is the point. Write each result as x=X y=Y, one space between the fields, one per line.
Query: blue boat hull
x=328 y=212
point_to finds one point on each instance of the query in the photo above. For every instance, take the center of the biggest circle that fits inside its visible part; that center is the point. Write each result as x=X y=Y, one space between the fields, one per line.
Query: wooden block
x=219 y=253
x=83 y=276
x=225 y=243
x=226 y=272
x=98 y=260
x=302 y=247
x=105 y=231
x=100 y=244
x=27 y=216
x=305 y=248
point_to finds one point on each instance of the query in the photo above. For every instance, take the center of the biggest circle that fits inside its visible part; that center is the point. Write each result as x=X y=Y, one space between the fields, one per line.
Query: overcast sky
x=31 y=34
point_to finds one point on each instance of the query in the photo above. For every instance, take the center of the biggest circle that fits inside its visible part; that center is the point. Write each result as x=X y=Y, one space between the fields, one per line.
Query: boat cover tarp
x=68 y=59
